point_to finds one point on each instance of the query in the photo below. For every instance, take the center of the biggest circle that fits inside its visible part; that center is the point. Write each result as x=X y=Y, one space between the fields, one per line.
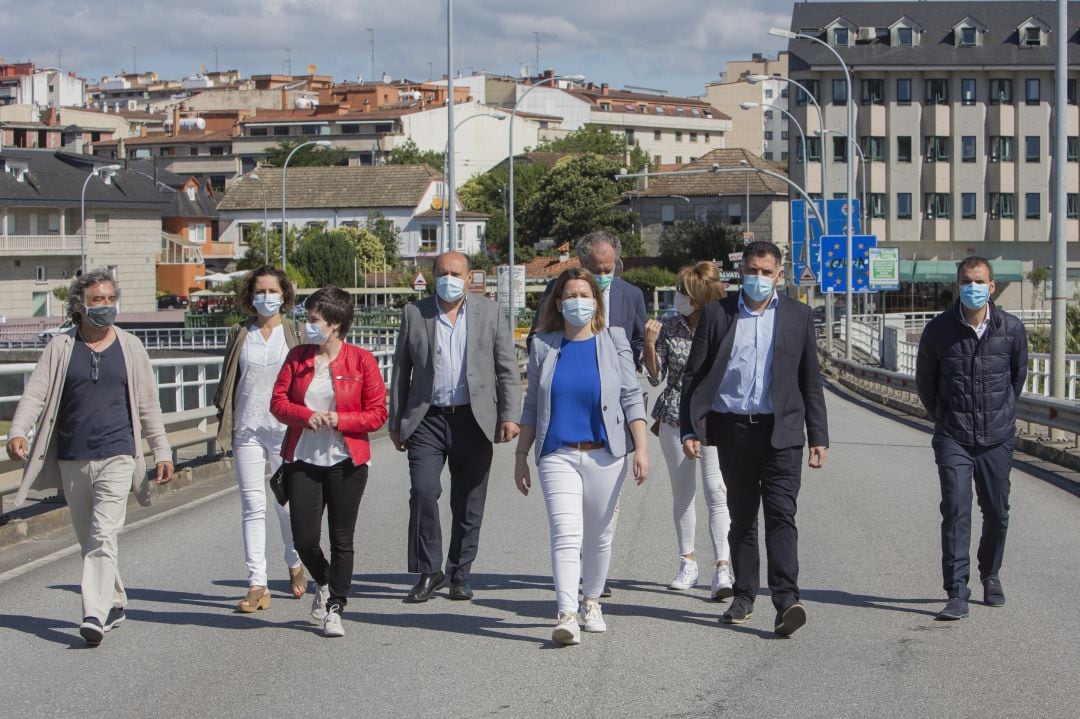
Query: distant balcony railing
x=45 y=244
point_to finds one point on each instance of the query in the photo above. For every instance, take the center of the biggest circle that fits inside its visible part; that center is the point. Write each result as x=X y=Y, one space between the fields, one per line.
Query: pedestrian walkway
x=870 y=579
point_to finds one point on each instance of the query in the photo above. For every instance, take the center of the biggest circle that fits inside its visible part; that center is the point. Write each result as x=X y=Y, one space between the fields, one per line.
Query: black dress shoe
x=460 y=590
x=993 y=594
x=955 y=608
x=790 y=619
x=422 y=591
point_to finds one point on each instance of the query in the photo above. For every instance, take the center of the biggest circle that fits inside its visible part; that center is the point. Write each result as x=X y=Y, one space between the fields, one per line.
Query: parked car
x=53 y=331
x=172 y=302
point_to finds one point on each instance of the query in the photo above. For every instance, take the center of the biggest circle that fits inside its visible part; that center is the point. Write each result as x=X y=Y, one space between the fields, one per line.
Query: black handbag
x=277 y=486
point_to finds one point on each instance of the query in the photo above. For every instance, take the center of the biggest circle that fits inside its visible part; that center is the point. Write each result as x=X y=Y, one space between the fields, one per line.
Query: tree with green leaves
x=388 y=234
x=487 y=193
x=370 y=253
x=578 y=196
x=408 y=153
x=310 y=156
x=326 y=258
x=649 y=278
x=599 y=141
x=685 y=243
x=1038 y=277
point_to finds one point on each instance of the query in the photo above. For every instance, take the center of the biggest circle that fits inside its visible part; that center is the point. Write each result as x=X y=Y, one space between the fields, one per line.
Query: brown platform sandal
x=257 y=598
x=298 y=581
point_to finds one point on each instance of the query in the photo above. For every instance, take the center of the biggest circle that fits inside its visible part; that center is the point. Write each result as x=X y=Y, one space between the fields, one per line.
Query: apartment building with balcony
x=764 y=129
x=954 y=106
x=40 y=229
x=25 y=84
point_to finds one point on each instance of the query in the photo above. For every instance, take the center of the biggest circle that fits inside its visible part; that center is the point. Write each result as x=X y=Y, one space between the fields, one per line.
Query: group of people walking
x=742 y=397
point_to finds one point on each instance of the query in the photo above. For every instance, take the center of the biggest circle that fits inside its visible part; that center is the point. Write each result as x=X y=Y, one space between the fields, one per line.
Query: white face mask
x=314 y=335
x=267 y=305
x=683 y=304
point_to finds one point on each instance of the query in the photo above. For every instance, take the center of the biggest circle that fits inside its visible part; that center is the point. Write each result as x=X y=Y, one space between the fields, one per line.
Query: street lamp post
x=447 y=196
x=107 y=172
x=510 y=157
x=266 y=234
x=780 y=32
x=284 y=168
x=746 y=222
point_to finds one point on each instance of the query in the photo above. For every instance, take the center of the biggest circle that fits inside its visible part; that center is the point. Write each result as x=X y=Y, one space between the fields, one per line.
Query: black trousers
x=338 y=489
x=757 y=474
x=957 y=466
x=458 y=440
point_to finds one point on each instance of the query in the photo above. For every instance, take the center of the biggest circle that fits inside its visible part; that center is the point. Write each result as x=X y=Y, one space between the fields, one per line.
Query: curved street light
x=510 y=157
x=780 y=32
x=266 y=235
x=106 y=173
x=451 y=232
x=284 y=229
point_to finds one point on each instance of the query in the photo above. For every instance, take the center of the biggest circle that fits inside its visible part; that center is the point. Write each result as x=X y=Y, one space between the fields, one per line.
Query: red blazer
x=359 y=393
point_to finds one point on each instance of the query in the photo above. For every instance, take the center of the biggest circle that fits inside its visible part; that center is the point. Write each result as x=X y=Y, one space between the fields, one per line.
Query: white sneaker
x=594 y=618
x=687 y=576
x=567 y=632
x=722 y=581
x=318 y=602
x=332 y=623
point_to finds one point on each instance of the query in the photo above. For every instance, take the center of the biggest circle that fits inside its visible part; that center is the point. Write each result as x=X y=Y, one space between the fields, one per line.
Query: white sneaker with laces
x=332 y=623
x=318 y=602
x=567 y=632
x=594 y=618
x=722 y=581
x=687 y=576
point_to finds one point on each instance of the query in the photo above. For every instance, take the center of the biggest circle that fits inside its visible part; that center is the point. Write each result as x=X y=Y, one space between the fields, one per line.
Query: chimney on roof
x=604 y=88
x=548 y=74
x=284 y=98
x=176 y=120
x=758 y=57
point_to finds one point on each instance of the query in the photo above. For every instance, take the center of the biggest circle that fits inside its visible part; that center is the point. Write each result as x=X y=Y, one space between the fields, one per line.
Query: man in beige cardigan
x=93 y=398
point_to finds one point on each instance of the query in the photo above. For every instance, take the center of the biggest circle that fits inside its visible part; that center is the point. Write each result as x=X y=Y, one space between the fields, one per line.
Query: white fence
x=871 y=339
x=202 y=339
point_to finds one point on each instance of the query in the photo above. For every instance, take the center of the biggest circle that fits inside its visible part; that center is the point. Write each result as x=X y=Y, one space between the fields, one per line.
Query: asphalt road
x=870 y=579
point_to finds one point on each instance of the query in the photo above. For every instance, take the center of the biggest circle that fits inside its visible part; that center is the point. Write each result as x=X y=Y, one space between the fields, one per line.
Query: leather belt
x=584 y=446
x=451 y=409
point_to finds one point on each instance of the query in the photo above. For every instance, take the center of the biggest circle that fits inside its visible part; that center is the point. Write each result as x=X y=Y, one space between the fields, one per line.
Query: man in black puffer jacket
x=971 y=368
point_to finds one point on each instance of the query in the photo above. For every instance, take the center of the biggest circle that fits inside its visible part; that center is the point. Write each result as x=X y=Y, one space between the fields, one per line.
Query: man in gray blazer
x=624 y=304
x=750 y=385
x=455 y=389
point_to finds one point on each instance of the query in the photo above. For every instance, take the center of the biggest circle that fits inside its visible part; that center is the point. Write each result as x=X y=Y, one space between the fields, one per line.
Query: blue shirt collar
x=773 y=301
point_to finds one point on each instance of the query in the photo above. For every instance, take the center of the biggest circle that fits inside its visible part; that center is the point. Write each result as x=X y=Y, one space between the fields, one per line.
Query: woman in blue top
x=584 y=411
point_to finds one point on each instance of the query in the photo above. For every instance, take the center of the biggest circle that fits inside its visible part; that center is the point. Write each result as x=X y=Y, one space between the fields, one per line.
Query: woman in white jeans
x=253 y=357
x=667 y=345
x=584 y=411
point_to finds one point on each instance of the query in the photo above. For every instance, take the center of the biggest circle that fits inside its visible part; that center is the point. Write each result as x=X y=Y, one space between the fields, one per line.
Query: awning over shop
x=1008 y=270
x=945 y=270
x=934 y=271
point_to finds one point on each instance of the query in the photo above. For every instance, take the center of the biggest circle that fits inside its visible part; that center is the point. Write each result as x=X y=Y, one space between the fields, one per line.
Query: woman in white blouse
x=254 y=355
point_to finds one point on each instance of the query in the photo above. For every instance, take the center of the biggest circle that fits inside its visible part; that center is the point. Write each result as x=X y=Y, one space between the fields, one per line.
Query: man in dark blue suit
x=624 y=304
x=750 y=386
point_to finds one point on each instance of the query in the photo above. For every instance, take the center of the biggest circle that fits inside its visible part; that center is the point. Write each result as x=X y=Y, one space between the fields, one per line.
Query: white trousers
x=580 y=489
x=97 y=495
x=683 y=475
x=251 y=450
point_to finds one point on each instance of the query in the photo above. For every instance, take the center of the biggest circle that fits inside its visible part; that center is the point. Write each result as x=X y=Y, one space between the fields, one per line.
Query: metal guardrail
x=199 y=339
x=1048 y=412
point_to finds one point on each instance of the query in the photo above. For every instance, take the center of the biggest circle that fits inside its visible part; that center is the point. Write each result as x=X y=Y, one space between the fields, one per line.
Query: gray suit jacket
x=491 y=366
x=797 y=395
x=620 y=393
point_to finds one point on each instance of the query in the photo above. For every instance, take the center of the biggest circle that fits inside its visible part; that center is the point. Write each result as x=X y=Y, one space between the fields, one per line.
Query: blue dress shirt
x=747 y=385
x=451 y=386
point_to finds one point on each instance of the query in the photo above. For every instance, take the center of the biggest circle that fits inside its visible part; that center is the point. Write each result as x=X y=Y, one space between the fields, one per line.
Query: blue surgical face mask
x=101 y=315
x=757 y=287
x=267 y=305
x=579 y=311
x=449 y=288
x=314 y=335
x=604 y=281
x=974 y=295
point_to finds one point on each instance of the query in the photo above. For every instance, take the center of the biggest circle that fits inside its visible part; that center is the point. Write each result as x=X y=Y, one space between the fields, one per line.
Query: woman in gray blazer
x=584 y=412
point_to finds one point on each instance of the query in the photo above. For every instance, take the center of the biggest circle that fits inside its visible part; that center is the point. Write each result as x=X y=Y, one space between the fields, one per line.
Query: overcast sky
x=674 y=46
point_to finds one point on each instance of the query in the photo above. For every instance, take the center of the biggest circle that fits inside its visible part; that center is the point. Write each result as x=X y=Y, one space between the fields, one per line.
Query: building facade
x=763 y=129
x=954 y=106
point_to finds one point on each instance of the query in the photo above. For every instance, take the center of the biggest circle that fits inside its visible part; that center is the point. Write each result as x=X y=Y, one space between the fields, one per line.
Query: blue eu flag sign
x=834 y=263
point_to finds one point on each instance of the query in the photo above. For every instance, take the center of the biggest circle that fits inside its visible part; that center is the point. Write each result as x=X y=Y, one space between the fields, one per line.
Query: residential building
x=25 y=84
x=668 y=129
x=40 y=230
x=207 y=155
x=716 y=197
x=954 y=103
x=132 y=91
x=762 y=129
x=332 y=197
x=21 y=128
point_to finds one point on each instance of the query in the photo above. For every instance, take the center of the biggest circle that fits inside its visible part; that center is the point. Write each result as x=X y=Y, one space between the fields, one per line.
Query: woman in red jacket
x=329 y=394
